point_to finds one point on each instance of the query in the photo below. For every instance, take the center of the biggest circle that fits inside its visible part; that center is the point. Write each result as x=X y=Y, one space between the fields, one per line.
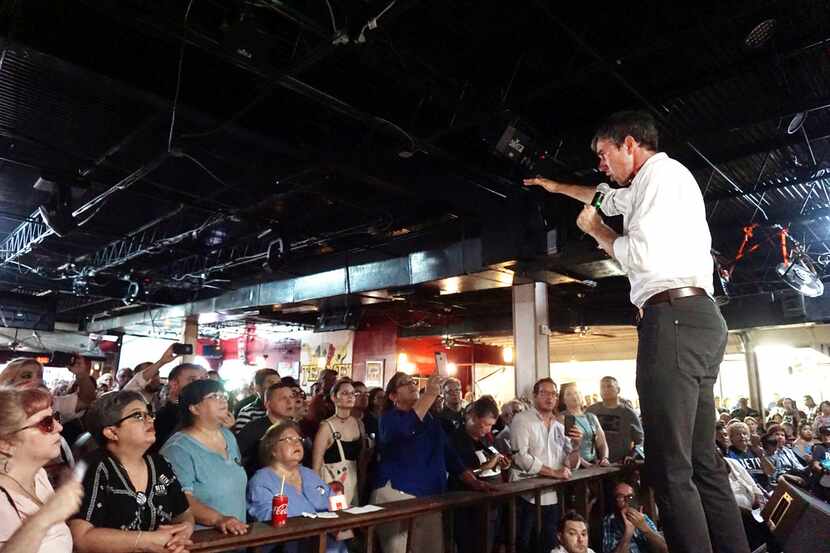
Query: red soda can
x=279 y=510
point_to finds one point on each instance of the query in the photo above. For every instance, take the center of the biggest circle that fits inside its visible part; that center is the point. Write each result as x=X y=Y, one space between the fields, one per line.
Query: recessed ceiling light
x=761 y=34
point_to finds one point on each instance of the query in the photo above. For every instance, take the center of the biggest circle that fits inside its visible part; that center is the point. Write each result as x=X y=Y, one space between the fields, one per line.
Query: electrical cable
x=178 y=79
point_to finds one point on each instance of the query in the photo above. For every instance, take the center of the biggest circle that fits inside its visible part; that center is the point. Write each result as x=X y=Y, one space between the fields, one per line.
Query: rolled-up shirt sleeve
x=521 y=433
x=616 y=201
x=137 y=383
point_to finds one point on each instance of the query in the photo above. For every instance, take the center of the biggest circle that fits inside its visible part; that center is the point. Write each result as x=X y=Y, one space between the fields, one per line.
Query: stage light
x=507 y=354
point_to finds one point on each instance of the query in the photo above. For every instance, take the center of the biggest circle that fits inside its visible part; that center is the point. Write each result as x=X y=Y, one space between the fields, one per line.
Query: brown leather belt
x=674 y=294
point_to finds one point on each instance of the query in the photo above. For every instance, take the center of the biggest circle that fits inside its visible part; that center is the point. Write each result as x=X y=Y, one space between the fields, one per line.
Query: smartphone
x=570 y=421
x=441 y=363
x=183 y=349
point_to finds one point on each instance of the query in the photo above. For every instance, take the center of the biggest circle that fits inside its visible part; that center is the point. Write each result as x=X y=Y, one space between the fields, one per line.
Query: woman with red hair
x=32 y=514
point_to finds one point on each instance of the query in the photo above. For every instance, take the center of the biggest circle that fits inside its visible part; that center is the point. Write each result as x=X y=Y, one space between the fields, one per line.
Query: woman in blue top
x=593 y=448
x=415 y=457
x=281 y=451
x=206 y=459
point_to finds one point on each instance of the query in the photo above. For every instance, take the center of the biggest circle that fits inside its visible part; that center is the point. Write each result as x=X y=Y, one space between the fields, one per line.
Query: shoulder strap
x=11 y=501
x=336 y=437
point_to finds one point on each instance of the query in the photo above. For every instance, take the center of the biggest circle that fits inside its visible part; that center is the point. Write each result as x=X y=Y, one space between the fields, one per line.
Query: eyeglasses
x=629 y=497
x=545 y=393
x=299 y=394
x=45 y=425
x=347 y=394
x=222 y=396
x=291 y=439
x=140 y=416
x=405 y=382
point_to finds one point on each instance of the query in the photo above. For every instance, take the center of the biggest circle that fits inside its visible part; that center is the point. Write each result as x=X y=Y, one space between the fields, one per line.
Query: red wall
x=421 y=351
x=375 y=341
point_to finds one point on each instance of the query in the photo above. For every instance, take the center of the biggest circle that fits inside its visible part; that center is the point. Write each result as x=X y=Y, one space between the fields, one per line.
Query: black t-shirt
x=111 y=502
x=473 y=453
x=450 y=420
x=370 y=423
x=248 y=441
x=167 y=421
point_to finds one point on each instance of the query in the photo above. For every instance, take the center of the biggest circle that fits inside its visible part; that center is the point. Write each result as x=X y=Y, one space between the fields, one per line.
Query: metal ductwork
x=455 y=268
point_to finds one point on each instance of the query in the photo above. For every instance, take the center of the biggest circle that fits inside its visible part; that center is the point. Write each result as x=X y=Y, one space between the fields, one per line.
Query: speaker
x=799 y=521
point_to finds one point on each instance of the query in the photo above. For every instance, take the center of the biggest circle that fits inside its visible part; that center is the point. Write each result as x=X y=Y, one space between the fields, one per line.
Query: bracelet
x=138 y=537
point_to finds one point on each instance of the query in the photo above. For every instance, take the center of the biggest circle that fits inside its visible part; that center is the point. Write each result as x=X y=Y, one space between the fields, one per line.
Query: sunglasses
x=45 y=425
x=140 y=416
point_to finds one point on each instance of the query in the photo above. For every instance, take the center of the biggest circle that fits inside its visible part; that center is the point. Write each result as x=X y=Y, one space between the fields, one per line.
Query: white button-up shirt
x=666 y=242
x=537 y=445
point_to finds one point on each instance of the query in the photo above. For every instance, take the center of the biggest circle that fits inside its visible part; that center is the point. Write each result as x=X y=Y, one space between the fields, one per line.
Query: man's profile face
x=616 y=162
x=574 y=537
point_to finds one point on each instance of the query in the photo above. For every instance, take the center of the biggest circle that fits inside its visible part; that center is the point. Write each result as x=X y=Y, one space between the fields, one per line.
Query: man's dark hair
x=639 y=125
x=177 y=370
x=484 y=406
x=546 y=380
x=571 y=516
x=261 y=375
x=193 y=394
x=274 y=387
x=290 y=380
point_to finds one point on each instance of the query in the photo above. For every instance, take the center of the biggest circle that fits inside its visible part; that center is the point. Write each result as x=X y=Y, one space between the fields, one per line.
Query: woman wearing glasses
x=281 y=452
x=339 y=442
x=132 y=499
x=206 y=459
x=32 y=514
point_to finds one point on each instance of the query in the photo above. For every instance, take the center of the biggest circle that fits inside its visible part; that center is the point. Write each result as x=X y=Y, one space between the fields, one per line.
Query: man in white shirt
x=573 y=534
x=665 y=250
x=541 y=449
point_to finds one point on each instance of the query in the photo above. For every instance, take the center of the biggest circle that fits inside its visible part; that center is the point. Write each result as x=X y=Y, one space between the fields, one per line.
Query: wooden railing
x=297 y=528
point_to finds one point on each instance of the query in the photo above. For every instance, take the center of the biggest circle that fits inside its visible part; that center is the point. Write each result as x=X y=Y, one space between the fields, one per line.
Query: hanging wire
x=178 y=79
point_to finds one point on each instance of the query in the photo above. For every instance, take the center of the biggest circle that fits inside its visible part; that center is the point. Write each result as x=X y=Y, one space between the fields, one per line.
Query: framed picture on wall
x=374 y=374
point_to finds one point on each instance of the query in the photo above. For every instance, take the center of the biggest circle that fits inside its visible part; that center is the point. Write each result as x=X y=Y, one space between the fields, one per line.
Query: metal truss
x=21 y=240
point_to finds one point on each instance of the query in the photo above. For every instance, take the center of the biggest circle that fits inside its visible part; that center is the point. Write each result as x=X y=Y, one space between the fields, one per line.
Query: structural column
x=191 y=336
x=752 y=375
x=531 y=355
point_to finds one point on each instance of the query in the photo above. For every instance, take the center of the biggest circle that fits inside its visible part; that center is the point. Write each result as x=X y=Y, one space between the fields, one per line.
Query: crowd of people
x=163 y=460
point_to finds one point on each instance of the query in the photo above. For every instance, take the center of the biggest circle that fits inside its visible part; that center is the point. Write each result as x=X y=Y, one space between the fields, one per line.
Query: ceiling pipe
x=645 y=101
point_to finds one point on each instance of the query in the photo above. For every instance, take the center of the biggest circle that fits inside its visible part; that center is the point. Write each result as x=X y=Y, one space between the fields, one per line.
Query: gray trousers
x=681 y=346
x=427 y=537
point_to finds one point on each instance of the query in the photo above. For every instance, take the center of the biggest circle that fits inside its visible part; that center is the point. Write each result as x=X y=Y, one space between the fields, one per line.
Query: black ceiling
x=353 y=125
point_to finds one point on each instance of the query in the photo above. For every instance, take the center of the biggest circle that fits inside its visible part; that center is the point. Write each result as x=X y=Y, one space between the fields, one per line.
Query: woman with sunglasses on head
x=339 y=442
x=206 y=458
x=133 y=501
x=32 y=514
x=281 y=453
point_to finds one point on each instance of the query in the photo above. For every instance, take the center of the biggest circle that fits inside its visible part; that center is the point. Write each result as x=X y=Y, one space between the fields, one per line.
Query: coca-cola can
x=279 y=510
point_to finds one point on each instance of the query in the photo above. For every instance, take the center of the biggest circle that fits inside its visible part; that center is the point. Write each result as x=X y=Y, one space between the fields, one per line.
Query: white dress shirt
x=666 y=242
x=537 y=445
